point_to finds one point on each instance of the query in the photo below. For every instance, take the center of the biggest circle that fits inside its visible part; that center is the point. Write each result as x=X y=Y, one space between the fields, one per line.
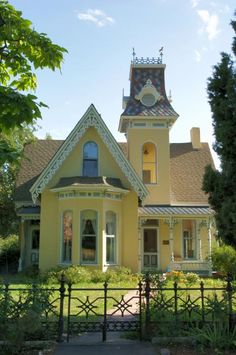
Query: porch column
x=140 y=223
x=171 y=222
x=209 y=226
x=199 y=242
x=22 y=245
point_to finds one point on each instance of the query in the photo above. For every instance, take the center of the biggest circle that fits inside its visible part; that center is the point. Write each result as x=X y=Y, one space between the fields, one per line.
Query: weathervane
x=161 y=53
x=134 y=54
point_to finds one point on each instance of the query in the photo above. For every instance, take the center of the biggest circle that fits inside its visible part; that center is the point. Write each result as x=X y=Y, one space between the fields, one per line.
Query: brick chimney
x=195 y=137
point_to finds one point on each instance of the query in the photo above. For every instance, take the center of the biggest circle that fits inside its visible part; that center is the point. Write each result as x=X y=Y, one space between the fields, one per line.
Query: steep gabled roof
x=91 y=118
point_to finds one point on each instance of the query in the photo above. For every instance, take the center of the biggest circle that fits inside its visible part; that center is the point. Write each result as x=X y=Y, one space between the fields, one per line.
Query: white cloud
x=211 y=23
x=198 y=55
x=98 y=17
x=195 y=3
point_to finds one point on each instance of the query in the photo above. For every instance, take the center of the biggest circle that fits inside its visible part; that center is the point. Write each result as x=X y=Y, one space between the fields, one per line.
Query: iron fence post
x=61 y=318
x=104 y=327
x=176 y=300
x=229 y=290
x=202 y=301
x=140 y=310
x=68 y=315
x=147 y=299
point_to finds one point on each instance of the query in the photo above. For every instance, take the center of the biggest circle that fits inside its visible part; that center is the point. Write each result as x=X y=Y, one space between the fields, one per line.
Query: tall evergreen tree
x=221 y=185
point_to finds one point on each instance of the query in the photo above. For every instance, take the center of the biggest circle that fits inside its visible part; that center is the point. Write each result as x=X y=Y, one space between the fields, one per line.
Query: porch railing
x=198 y=266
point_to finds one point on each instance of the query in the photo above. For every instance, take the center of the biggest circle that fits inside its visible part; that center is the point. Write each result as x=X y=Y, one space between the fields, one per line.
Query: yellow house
x=94 y=202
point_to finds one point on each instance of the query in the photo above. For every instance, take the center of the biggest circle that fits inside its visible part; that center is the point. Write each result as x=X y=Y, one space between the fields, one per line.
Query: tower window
x=149 y=163
x=90 y=159
x=148 y=100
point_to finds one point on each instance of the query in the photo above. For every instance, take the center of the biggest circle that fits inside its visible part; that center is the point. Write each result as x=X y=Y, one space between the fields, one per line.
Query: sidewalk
x=116 y=344
x=91 y=344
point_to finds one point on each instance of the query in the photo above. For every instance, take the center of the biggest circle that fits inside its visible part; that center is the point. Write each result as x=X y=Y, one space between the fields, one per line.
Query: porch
x=176 y=238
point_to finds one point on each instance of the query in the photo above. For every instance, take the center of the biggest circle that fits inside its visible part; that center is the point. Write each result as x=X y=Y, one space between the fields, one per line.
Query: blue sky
x=99 y=36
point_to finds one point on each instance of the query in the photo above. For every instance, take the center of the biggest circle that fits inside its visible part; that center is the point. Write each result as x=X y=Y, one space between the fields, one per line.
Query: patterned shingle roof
x=139 y=78
x=186 y=169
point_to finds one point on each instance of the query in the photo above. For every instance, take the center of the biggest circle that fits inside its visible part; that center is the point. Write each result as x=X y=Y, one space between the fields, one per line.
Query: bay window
x=89 y=237
x=67 y=237
x=110 y=237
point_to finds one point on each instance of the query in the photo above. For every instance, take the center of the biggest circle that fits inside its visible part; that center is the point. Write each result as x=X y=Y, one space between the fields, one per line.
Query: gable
x=90 y=119
x=72 y=166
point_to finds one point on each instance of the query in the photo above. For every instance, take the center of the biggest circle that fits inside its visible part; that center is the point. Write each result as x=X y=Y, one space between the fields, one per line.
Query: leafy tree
x=221 y=185
x=8 y=171
x=22 y=51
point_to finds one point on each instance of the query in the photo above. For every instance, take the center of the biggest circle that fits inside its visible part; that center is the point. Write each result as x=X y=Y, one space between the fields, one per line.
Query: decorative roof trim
x=91 y=118
x=89 y=188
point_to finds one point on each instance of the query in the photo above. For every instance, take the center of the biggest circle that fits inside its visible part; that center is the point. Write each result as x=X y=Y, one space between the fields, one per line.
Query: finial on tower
x=133 y=54
x=161 y=53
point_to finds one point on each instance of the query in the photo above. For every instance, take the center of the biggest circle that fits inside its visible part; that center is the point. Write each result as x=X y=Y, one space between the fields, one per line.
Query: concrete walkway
x=91 y=344
x=116 y=344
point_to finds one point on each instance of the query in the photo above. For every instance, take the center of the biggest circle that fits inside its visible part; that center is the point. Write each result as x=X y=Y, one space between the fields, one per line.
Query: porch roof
x=151 y=211
x=29 y=212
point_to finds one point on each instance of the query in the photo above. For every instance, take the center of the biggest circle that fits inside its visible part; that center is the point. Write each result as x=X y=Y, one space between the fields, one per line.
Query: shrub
x=191 y=278
x=73 y=274
x=176 y=276
x=224 y=259
x=9 y=250
x=217 y=336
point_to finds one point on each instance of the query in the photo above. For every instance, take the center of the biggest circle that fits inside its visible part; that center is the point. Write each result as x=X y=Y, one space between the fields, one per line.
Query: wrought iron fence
x=68 y=310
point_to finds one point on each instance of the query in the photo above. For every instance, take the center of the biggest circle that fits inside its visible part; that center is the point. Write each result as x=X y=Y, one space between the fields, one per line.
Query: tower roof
x=147 y=92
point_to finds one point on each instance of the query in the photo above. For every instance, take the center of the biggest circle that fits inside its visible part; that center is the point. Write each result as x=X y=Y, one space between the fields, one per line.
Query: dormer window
x=148 y=95
x=90 y=159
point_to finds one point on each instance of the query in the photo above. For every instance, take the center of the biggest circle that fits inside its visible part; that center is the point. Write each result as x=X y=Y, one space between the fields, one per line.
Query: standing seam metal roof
x=174 y=210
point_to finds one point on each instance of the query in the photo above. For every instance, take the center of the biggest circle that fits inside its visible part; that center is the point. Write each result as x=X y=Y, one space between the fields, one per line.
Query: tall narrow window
x=149 y=163
x=89 y=237
x=67 y=237
x=110 y=237
x=90 y=159
x=189 y=238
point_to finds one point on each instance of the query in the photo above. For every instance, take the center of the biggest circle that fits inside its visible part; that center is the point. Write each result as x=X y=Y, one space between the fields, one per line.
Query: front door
x=150 y=248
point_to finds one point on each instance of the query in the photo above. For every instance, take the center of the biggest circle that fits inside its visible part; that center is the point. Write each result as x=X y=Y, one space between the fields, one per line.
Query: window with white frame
x=67 y=236
x=149 y=163
x=110 y=237
x=90 y=159
x=189 y=238
x=88 y=237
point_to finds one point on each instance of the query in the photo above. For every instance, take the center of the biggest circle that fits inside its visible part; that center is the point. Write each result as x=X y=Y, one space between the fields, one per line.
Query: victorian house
x=91 y=201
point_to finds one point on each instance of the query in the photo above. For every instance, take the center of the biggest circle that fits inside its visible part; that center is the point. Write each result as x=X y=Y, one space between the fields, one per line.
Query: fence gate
x=103 y=310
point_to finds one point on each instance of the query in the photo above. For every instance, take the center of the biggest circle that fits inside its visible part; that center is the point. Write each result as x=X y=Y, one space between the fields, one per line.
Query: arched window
x=149 y=163
x=90 y=159
x=88 y=237
x=110 y=237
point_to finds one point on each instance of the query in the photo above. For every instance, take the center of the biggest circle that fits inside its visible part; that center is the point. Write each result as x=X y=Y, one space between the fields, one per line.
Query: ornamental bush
x=9 y=252
x=224 y=259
